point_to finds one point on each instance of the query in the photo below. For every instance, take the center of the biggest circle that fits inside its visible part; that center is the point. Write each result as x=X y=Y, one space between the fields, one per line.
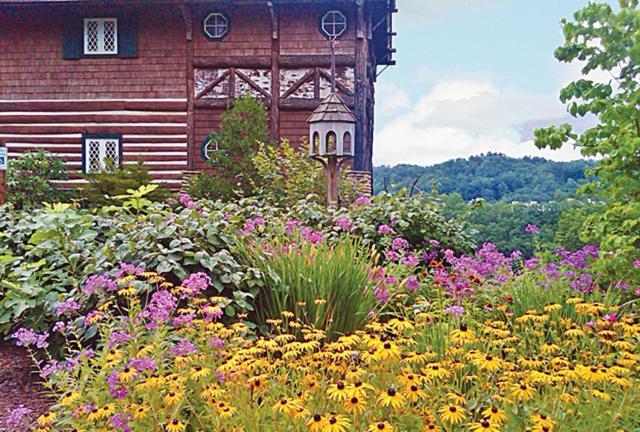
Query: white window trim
x=205 y=25
x=101 y=22
x=326 y=16
x=102 y=153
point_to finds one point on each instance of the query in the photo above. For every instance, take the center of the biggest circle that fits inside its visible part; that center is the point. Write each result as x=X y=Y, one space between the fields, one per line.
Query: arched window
x=332 y=141
x=346 y=143
x=333 y=24
x=215 y=26
x=315 y=143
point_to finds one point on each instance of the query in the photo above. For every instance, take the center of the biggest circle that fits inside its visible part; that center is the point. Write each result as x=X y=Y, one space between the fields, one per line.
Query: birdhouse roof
x=332 y=109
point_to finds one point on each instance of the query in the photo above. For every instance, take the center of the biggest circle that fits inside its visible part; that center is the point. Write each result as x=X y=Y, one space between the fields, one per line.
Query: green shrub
x=242 y=128
x=284 y=175
x=102 y=188
x=30 y=179
x=326 y=286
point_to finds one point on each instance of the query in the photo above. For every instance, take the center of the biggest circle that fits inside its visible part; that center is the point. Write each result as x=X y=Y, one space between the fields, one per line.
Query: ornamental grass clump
x=328 y=287
x=171 y=365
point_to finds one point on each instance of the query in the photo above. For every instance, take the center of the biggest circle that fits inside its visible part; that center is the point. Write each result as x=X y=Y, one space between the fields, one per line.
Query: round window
x=216 y=26
x=209 y=149
x=333 y=24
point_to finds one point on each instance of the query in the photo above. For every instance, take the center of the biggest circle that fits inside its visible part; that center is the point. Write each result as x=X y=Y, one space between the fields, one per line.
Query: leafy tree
x=242 y=129
x=31 y=179
x=604 y=39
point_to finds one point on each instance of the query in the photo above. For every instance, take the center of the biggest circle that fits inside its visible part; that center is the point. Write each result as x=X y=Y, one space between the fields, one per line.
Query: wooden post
x=332 y=181
x=363 y=151
x=4 y=159
x=275 y=74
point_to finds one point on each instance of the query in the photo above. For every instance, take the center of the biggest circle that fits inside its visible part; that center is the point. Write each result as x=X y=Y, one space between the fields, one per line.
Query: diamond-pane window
x=100 y=36
x=101 y=154
x=333 y=24
x=216 y=26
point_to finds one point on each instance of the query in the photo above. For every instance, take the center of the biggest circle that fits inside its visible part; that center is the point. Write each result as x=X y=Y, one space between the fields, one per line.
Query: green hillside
x=492 y=176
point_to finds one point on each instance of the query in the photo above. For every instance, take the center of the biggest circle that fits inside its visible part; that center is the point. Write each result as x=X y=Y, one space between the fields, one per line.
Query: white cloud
x=461 y=118
x=391 y=99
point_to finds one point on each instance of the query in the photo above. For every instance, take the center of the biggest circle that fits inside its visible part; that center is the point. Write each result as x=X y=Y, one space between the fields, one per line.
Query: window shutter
x=72 y=40
x=128 y=36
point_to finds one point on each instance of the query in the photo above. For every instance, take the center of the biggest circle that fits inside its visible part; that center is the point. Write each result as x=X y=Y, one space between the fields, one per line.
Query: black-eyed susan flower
x=338 y=391
x=522 y=391
x=380 y=427
x=46 y=419
x=354 y=405
x=452 y=414
x=391 y=398
x=495 y=415
x=336 y=423
x=316 y=423
x=483 y=426
x=175 y=425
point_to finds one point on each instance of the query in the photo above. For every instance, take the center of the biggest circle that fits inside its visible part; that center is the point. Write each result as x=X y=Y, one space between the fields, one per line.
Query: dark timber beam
x=187 y=16
x=363 y=151
x=275 y=74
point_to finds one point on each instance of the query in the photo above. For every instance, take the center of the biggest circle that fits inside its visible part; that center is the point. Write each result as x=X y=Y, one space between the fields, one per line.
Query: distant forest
x=494 y=177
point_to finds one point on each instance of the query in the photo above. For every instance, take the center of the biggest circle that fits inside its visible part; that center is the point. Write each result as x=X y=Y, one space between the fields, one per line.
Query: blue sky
x=472 y=76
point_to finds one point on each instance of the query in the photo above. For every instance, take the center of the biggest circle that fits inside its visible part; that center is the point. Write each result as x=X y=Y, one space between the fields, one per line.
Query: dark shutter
x=73 y=39
x=128 y=36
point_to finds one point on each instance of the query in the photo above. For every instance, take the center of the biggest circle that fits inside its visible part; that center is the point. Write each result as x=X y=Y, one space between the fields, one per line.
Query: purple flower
x=412 y=283
x=196 y=284
x=143 y=364
x=410 y=260
x=381 y=293
x=26 y=337
x=454 y=310
x=314 y=237
x=362 y=201
x=184 y=320
x=127 y=269
x=99 y=283
x=344 y=223
x=385 y=229
x=217 y=343
x=183 y=348
x=116 y=388
x=60 y=326
x=583 y=284
x=121 y=421
x=16 y=416
x=185 y=200
x=118 y=338
x=636 y=263
x=532 y=263
x=532 y=229
x=161 y=306
x=290 y=226
x=391 y=256
x=399 y=244
x=67 y=306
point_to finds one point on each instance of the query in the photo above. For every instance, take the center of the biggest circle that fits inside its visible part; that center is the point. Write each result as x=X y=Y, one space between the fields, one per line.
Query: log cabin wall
x=49 y=102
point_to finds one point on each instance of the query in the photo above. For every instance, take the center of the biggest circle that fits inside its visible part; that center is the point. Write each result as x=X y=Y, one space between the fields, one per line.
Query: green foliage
x=492 y=177
x=285 y=175
x=30 y=179
x=326 y=286
x=601 y=38
x=102 y=188
x=242 y=128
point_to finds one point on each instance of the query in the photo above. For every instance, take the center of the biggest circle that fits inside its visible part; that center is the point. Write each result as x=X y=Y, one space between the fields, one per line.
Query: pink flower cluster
x=195 y=284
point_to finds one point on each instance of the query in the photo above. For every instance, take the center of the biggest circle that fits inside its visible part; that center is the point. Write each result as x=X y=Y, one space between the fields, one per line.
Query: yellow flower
x=199 y=372
x=487 y=363
x=452 y=414
x=431 y=427
x=138 y=412
x=127 y=375
x=354 y=405
x=415 y=393
x=175 y=425
x=286 y=406
x=46 y=419
x=462 y=335
x=483 y=426
x=336 y=423
x=316 y=423
x=494 y=415
x=69 y=398
x=522 y=391
x=172 y=398
x=391 y=398
x=380 y=427
x=338 y=391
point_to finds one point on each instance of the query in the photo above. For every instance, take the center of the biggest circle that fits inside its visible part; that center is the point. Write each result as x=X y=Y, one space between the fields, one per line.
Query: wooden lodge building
x=127 y=80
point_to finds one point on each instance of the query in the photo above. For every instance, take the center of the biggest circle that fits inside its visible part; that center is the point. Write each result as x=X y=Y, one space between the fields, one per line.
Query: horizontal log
x=222 y=104
x=95 y=105
x=248 y=62
x=155 y=158
x=97 y=129
x=315 y=60
x=93 y=118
